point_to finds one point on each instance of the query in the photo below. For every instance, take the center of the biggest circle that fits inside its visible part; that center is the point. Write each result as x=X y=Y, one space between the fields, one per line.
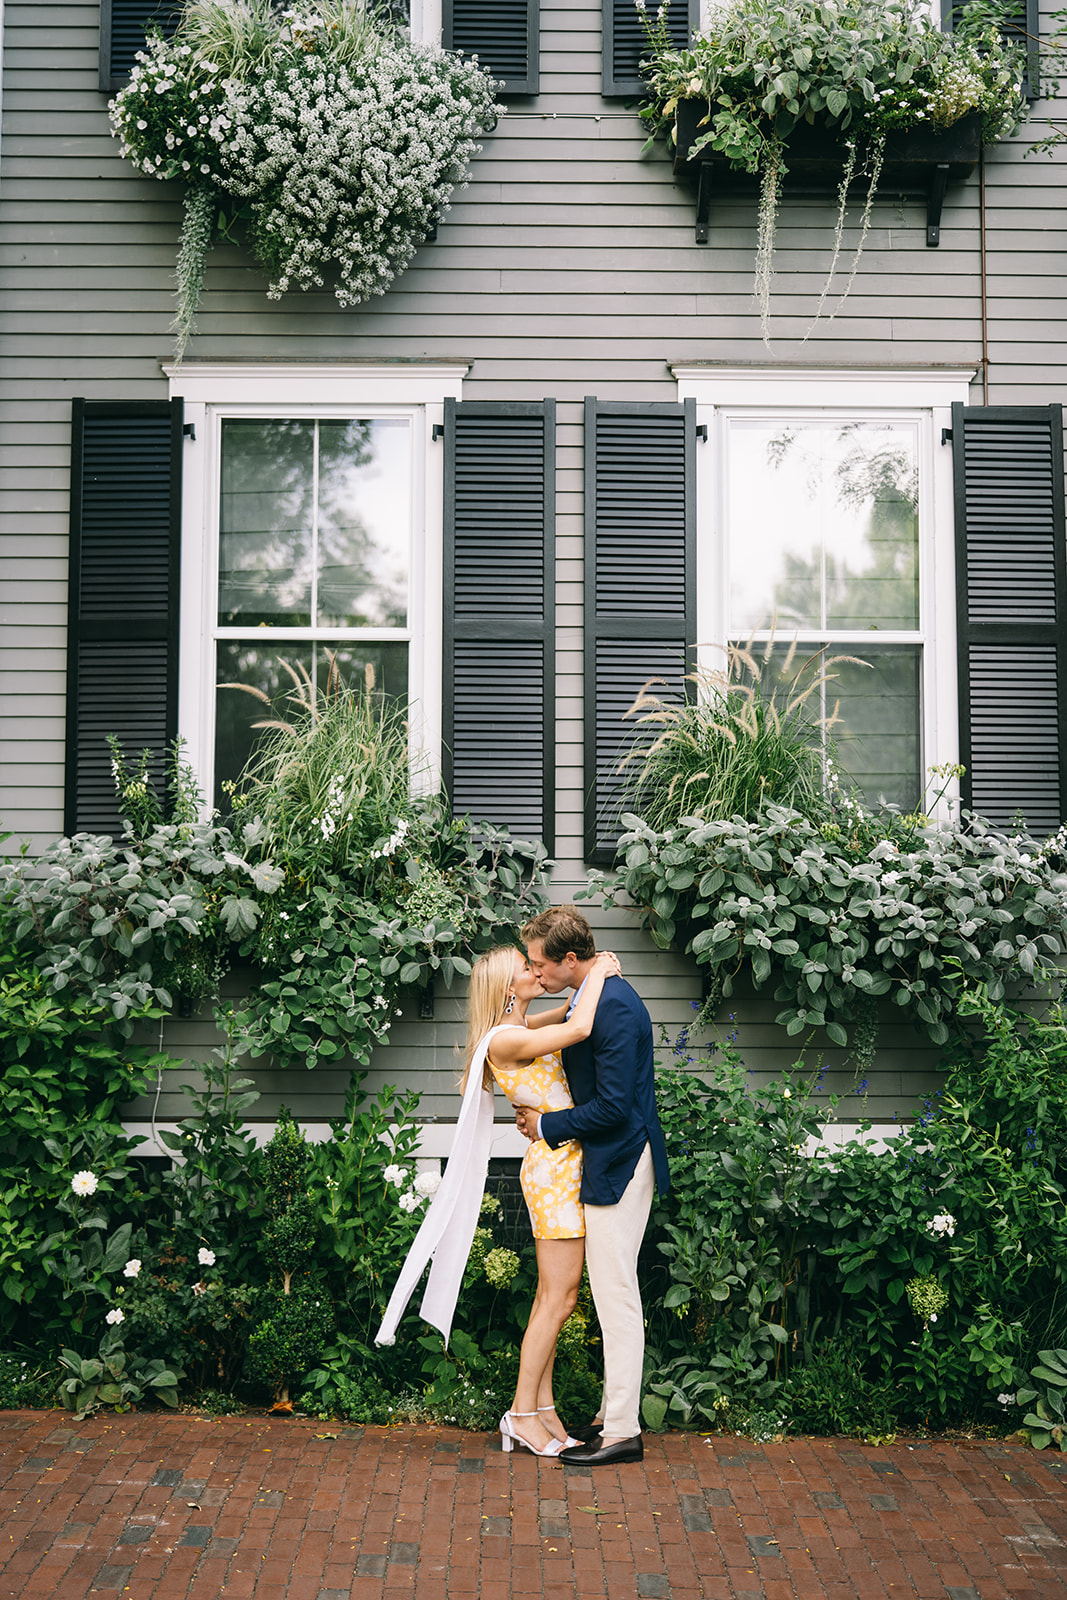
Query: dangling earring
x=509 y=1008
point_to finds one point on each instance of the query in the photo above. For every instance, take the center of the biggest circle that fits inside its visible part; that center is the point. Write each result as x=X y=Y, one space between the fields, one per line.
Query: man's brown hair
x=559 y=929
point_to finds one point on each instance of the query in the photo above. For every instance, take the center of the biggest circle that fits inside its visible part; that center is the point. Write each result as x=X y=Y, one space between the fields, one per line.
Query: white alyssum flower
x=427 y=1184
x=115 y=1317
x=206 y=1258
x=132 y=1268
x=84 y=1183
x=346 y=165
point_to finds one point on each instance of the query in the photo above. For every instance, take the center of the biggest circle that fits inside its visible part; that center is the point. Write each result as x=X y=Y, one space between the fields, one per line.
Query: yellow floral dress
x=550 y=1179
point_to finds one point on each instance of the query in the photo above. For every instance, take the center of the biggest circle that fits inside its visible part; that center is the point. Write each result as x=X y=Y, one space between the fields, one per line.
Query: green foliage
x=764 y=67
x=290 y=1337
x=26 y=1380
x=64 y=1074
x=835 y=1392
x=731 y=1235
x=838 y=913
x=111 y=1378
x=375 y=893
x=1047 y=1423
x=800 y=1283
x=177 y=1311
x=356 y=1394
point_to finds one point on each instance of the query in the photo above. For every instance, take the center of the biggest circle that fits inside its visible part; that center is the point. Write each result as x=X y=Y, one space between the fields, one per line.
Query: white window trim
x=417 y=393
x=425 y=21
x=926 y=393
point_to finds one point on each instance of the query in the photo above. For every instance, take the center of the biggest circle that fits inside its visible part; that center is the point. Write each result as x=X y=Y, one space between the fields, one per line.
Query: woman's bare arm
x=547 y=1019
x=523 y=1044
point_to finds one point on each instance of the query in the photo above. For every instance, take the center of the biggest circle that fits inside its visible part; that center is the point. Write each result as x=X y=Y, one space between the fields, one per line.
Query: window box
x=918 y=161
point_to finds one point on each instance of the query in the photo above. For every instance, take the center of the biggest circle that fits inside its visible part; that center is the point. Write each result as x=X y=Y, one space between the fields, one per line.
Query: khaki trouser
x=613 y=1236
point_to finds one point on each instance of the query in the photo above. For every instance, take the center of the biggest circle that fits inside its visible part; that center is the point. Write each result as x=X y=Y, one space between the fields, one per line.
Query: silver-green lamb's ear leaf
x=654 y=1410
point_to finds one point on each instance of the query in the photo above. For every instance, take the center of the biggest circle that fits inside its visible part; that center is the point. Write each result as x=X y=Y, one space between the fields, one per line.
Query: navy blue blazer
x=613 y=1088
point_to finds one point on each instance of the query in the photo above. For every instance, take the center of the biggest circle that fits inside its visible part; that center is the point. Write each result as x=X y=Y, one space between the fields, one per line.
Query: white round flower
x=409 y=1201
x=206 y=1258
x=397 y=1175
x=132 y=1268
x=84 y=1183
x=115 y=1317
x=427 y=1183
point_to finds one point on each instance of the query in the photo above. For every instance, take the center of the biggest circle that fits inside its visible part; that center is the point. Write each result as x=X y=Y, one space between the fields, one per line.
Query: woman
x=525 y=1061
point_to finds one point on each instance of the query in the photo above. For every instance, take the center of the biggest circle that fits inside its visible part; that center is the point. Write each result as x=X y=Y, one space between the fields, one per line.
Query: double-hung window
x=825 y=535
x=308 y=496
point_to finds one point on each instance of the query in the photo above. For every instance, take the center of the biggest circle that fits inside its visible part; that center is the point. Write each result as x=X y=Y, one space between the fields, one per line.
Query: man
x=615 y=1120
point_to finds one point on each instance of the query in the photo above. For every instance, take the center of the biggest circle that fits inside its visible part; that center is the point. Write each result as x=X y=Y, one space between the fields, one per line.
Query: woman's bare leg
x=559 y=1276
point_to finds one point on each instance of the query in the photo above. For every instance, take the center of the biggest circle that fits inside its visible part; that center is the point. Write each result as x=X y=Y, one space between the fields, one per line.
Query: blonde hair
x=490 y=986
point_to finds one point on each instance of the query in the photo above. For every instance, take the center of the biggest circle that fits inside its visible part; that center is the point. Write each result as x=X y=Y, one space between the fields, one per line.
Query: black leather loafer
x=591 y=1431
x=605 y=1455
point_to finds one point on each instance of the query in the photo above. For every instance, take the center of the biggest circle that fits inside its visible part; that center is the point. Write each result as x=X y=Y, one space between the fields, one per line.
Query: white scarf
x=447 y=1230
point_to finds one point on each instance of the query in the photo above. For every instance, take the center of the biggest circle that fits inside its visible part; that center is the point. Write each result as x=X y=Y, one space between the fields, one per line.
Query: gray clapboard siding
x=567 y=268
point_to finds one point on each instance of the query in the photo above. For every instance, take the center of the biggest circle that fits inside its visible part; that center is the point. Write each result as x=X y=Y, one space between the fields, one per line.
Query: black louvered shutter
x=1012 y=612
x=626 y=41
x=122 y=632
x=501 y=33
x=499 y=614
x=640 y=555
x=122 y=33
x=1020 y=25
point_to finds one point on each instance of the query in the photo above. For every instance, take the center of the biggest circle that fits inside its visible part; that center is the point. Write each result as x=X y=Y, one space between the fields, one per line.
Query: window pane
x=259 y=666
x=364 y=523
x=875 y=734
x=265 y=527
x=823 y=524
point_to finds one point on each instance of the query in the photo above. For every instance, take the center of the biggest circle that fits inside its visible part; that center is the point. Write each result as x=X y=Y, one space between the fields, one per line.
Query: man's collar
x=575 y=996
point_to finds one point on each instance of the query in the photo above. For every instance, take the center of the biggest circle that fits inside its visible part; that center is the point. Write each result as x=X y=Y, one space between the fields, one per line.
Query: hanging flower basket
x=329 y=138
x=916 y=161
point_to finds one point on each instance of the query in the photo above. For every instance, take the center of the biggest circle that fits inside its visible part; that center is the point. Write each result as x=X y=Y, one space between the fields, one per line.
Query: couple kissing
x=580 y=1078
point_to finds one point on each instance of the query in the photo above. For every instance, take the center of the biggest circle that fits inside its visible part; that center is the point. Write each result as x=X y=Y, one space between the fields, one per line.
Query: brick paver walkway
x=162 y=1508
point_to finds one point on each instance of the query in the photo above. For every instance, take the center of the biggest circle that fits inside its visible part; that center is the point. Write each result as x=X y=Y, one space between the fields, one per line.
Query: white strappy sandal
x=569 y=1444
x=509 y=1438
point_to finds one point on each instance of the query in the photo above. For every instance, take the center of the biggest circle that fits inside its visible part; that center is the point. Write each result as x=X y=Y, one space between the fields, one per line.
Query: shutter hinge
x=438 y=431
x=702 y=431
x=189 y=430
x=946 y=435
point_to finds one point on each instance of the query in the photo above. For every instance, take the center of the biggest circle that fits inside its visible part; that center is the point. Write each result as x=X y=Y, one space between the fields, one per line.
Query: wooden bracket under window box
x=918 y=161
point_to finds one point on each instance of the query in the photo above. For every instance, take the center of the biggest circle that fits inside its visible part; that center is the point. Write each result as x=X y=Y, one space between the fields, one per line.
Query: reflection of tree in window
x=296 y=546
x=881 y=589
x=848 y=562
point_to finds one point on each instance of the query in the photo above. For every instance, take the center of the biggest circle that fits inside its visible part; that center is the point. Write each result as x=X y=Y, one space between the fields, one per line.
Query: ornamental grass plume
x=737 y=745
x=337 y=770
